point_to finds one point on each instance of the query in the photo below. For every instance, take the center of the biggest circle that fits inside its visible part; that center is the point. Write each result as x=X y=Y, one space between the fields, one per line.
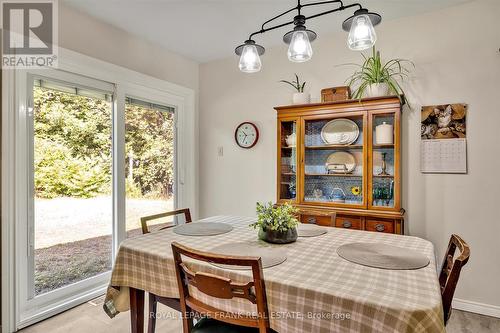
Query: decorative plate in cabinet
x=340 y=131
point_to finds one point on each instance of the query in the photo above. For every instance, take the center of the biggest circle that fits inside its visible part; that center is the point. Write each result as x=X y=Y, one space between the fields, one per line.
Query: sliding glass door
x=93 y=162
x=150 y=130
x=66 y=215
x=71 y=183
x=89 y=148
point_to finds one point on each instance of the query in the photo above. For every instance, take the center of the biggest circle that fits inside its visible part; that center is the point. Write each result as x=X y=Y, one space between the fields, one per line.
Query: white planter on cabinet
x=301 y=98
x=377 y=90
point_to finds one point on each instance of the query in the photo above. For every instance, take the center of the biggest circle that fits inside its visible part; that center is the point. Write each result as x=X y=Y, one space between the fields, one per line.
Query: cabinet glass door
x=383 y=166
x=334 y=160
x=287 y=170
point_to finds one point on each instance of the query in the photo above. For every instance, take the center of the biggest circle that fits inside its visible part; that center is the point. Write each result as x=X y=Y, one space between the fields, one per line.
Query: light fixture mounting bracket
x=299 y=22
x=264 y=28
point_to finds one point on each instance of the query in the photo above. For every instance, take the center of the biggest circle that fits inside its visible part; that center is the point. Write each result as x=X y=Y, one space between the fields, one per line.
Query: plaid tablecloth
x=314 y=290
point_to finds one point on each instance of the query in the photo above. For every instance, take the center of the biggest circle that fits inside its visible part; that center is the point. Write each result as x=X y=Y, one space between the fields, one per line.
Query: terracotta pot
x=278 y=237
x=377 y=90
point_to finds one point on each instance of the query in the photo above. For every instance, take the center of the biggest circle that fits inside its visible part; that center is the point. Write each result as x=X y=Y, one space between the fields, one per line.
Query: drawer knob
x=347 y=224
x=311 y=220
x=380 y=227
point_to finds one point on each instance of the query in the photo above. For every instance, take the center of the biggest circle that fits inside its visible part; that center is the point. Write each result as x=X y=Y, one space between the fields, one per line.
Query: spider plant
x=296 y=84
x=374 y=70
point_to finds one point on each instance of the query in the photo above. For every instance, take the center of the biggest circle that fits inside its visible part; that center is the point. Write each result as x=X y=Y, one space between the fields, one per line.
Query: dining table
x=313 y=290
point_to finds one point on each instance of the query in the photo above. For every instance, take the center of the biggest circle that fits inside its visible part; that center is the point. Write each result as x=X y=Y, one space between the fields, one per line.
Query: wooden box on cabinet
x=335 y=94
x=371 y=190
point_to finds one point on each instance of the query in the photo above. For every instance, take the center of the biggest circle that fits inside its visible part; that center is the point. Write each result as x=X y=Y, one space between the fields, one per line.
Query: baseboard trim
x=475 y=307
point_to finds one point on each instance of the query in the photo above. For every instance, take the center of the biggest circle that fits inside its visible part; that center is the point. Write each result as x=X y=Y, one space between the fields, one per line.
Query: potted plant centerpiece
x=375 y=78
x=300 y=97
x=277 y=224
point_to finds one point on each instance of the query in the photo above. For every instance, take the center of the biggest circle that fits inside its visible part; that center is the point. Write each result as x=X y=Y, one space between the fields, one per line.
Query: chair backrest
x=450 y=271
x=145 y=219
x=220 y=287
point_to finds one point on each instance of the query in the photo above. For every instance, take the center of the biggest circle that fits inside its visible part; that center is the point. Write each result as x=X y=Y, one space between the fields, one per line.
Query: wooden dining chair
x=450 y=271
x=152 y=298
x=145 y=219
x=215 y=320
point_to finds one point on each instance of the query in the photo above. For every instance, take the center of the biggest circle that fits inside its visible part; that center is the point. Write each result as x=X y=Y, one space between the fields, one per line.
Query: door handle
x=311 y=220
x=347 y=224
x=380 y=227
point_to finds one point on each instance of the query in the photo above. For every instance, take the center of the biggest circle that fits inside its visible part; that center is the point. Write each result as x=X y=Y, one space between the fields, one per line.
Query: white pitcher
x=291 y=140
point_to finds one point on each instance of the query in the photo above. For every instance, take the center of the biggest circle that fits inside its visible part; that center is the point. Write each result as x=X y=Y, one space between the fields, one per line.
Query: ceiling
x=205 y=30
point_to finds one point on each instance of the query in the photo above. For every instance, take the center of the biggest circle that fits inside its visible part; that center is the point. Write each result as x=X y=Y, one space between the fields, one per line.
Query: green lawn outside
x=73 y=237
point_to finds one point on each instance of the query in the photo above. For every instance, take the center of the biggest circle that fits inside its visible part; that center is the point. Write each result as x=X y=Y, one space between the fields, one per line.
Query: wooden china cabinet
x=354 y=182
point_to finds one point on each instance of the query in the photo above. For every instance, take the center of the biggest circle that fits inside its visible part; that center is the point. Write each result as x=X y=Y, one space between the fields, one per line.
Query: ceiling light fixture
x=250 y=53
x=362 y=35
x=300 y=39
x=360 y=27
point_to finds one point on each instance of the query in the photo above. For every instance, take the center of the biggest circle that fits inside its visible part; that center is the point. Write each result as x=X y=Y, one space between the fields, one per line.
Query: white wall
x=456 y=54
x=82 y=33
x=86 y=35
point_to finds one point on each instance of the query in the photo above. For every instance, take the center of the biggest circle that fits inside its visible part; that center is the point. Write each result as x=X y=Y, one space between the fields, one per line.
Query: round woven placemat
x=384 y=256
x=270 y=255
x=308 y=230
x=202 y=229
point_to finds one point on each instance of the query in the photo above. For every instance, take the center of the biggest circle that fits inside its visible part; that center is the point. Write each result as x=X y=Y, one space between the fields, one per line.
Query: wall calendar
x=443 y=147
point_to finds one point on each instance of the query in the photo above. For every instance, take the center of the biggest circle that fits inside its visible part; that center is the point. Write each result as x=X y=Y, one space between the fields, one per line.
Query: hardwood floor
x=89 y=317
x=467 y=322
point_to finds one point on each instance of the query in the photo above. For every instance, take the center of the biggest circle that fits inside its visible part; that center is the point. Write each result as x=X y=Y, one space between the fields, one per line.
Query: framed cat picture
x=445 y=121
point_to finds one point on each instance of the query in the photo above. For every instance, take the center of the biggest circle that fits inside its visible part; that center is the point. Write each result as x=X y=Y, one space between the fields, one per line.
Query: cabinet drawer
x=380 y=225
x=323 y=220
x=348 y=222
